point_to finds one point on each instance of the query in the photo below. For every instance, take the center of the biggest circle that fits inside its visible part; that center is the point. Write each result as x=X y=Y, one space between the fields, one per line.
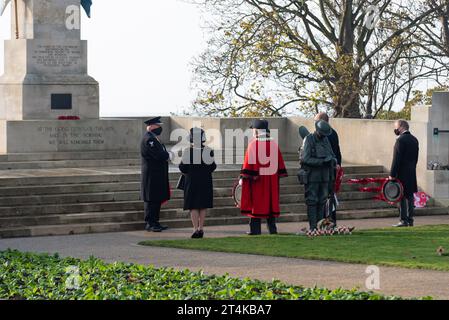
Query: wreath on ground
x=327 y=227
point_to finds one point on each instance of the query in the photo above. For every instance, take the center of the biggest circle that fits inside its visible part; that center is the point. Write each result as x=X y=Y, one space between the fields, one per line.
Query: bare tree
x=265 y=56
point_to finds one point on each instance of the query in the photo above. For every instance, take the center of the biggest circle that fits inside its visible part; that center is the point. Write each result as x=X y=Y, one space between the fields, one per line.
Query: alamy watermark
x=73 y=281
x=73 y=19
x=373 y=280
x=231 y=147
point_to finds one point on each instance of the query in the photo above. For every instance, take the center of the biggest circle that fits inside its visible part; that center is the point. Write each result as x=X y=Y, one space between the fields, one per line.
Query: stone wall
x=363 y=142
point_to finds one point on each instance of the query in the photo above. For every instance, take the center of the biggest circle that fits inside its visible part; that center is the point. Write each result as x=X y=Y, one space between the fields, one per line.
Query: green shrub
x=38 y=276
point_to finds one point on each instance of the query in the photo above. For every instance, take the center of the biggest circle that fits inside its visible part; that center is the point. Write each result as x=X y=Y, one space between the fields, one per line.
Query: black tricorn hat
x=259 y=124
x=156 y=120
x=197 y=135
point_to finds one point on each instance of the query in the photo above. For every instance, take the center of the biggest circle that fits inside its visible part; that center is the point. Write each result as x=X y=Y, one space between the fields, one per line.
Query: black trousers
x=332 y=209
x=255 y=225
x=407 y=209
x=152 y=211
x=316 y=194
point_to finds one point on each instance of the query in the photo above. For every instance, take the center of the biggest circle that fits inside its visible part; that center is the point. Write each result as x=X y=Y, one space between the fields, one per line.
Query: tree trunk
x=347 y=87
x=347 y=96
x=445 y=25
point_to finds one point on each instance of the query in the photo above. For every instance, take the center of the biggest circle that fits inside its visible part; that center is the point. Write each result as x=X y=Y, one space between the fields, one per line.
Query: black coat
x=335 y=144
x=155 y=186
x=405 y=160
x=198 y=190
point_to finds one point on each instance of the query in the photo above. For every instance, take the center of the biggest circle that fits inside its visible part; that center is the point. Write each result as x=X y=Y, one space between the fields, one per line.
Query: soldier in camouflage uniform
x=318 y=162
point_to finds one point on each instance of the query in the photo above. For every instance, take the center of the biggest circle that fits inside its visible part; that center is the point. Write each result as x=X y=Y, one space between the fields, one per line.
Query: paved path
x=123 y=247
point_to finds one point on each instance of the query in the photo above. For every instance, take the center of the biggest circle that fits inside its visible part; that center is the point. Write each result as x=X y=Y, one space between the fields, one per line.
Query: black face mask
x=397 y=132
x=157 y=131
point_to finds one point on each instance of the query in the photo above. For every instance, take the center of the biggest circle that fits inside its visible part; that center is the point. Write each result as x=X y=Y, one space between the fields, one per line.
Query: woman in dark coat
x=197 y=165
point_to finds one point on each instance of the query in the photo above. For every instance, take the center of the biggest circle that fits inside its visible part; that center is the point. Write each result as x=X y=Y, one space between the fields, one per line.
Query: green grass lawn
x=407 y=247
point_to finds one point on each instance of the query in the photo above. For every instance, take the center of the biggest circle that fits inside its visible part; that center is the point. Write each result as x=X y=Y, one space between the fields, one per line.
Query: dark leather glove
x=328 y=161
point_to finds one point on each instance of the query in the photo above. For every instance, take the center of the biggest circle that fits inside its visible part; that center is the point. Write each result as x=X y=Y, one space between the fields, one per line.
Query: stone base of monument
x=47 y=136
x=439 y=181
x=31 y=101
x=29 y=91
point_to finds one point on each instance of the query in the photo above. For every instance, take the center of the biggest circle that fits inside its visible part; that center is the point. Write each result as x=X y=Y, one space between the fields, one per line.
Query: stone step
x=85 y=160
x=177 y=204
x=96 y=155
x=41 y=191
x=81 y=177
x=68 y=189
x=69 y=164
x=57 y=156
x=102 y=227
x=354 y=169
x=222 y=197
x=70 y=208
x=291 y=180
x=55 y=209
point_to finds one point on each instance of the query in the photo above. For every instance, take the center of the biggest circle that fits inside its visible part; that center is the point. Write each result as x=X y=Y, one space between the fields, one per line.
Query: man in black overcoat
x=405 y=160
x=155 y=189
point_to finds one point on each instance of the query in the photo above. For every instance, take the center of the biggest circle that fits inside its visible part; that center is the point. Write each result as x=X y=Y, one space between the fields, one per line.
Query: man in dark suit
x=335 y=144
x=155 y=188
x=405 y=160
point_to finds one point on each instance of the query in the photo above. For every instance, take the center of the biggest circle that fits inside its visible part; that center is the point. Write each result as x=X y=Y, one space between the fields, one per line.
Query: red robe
x=262 y=168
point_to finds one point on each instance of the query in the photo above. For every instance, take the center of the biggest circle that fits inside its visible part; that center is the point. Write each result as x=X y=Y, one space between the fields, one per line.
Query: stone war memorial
x=70 y=183
x=46 y=78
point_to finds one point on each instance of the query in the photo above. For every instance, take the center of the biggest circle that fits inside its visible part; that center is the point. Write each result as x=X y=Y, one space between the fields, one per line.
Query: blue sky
x=140 y=54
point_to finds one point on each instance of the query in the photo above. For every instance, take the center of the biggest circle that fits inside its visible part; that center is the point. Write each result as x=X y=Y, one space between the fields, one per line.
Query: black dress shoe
x=195 y=235
x=154 y=229
x=163 y=228
x=253 y=234
x=401 y=224
x=147 y=227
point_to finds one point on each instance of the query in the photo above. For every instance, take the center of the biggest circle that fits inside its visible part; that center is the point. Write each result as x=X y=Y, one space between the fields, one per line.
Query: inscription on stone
x=57 y=55
x=74 y=135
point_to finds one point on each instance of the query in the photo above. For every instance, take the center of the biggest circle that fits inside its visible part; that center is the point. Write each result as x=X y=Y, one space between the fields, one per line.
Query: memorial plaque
x=61 y=101
x=57 y=56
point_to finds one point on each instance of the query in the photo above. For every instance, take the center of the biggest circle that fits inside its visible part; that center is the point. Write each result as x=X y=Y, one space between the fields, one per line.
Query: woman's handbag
x=181 y=182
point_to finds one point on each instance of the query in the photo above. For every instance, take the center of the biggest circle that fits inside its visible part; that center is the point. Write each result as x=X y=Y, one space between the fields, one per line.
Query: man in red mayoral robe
x=260 y=176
